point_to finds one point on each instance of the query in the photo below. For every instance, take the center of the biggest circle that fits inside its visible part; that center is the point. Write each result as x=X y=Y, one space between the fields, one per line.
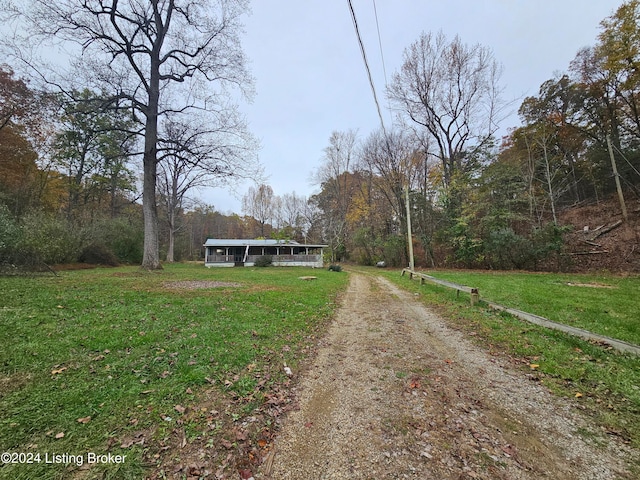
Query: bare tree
x=201 y=154
x=452 y=91
x=311 y=222
x=158 y=57
x=259 y=203
x=333 y=178
x=290 y=209
x=393 y=160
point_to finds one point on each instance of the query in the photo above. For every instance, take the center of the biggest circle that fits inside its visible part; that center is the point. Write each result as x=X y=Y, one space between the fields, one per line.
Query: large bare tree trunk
x=151 y=252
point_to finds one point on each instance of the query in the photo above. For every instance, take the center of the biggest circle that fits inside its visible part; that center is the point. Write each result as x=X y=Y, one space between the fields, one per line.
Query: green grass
x=598 y=380
x=124 y=347
x=604 y=304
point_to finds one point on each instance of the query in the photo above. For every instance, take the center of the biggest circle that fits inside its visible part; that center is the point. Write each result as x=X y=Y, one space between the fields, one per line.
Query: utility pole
x=617 y=177
x=409 y=236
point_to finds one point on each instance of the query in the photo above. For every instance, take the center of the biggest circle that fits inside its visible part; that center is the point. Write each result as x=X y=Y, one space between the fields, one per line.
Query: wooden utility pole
x=617 y=177
x=409 y=236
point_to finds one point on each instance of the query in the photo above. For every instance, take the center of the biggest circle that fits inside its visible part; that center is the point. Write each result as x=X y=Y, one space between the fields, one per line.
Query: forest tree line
x=479 y=201
x=69 y=173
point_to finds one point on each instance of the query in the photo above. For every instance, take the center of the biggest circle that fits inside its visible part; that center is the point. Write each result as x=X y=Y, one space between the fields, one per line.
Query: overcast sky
x=310 y=78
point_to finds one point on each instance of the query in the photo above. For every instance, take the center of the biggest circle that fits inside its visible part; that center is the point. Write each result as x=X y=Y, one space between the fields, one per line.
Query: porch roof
x=267 y=242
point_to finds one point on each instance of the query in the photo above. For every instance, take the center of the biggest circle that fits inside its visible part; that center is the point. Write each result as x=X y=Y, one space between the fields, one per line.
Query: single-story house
x=241 y=252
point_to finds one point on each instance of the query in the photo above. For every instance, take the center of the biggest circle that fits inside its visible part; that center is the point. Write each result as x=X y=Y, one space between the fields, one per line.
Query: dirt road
x=395 y=393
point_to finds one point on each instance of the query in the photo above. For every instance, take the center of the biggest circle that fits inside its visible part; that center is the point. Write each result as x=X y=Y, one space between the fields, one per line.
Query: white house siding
x=229 y=253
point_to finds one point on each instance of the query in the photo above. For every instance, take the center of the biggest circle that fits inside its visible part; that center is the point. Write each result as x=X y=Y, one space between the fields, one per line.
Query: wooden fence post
x=475 y=296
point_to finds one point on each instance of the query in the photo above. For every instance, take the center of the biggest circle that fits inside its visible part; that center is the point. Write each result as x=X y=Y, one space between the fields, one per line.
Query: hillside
x=591 y=247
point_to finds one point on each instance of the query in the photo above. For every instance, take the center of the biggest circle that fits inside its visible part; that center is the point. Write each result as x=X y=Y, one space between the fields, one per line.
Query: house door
x=238 y=255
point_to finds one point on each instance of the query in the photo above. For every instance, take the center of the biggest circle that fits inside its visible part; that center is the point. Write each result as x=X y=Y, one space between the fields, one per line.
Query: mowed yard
x=143 y=365
x=600 y=303
x=181 y=372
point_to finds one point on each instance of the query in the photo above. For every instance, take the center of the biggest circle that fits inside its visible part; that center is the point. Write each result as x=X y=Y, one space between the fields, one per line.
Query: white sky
x=310 y=78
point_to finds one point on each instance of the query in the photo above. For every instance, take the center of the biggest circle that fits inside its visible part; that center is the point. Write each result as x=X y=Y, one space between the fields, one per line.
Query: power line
x=384 y=69
x=626 y=159
x=366 y=64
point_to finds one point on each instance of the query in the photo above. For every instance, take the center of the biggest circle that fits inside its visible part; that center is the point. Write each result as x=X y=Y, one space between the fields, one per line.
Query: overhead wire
x=626 y=159
x=375 y=98
x=384 y=69
x=366 y=65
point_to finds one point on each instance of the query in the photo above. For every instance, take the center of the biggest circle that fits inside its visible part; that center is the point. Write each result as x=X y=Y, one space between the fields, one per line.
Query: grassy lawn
x=126 y=362
x=603 y=304
x=597 y=379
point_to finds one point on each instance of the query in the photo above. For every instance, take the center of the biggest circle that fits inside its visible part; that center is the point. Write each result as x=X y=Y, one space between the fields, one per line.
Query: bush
x=98 y=254
x=48 y=239
x=335 y=268
x=10 y=236
x=394 y=251
x=505 y=249
x=124 y=237
x=263 y=261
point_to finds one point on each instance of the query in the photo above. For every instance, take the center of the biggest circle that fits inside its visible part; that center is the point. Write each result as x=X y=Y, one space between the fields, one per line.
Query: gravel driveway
x=394 y=393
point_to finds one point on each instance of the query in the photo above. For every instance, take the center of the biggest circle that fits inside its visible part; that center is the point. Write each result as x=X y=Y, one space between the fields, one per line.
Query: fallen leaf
x=262 y=443
x=56 y=371
x=189 y=391
x=59 y=435
x=126 y=443
x=84 y=420
x=533 y=366
x=226 y=444
x=245 y=474
x=509 y=450
x=578 y=394
x=180 y=409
